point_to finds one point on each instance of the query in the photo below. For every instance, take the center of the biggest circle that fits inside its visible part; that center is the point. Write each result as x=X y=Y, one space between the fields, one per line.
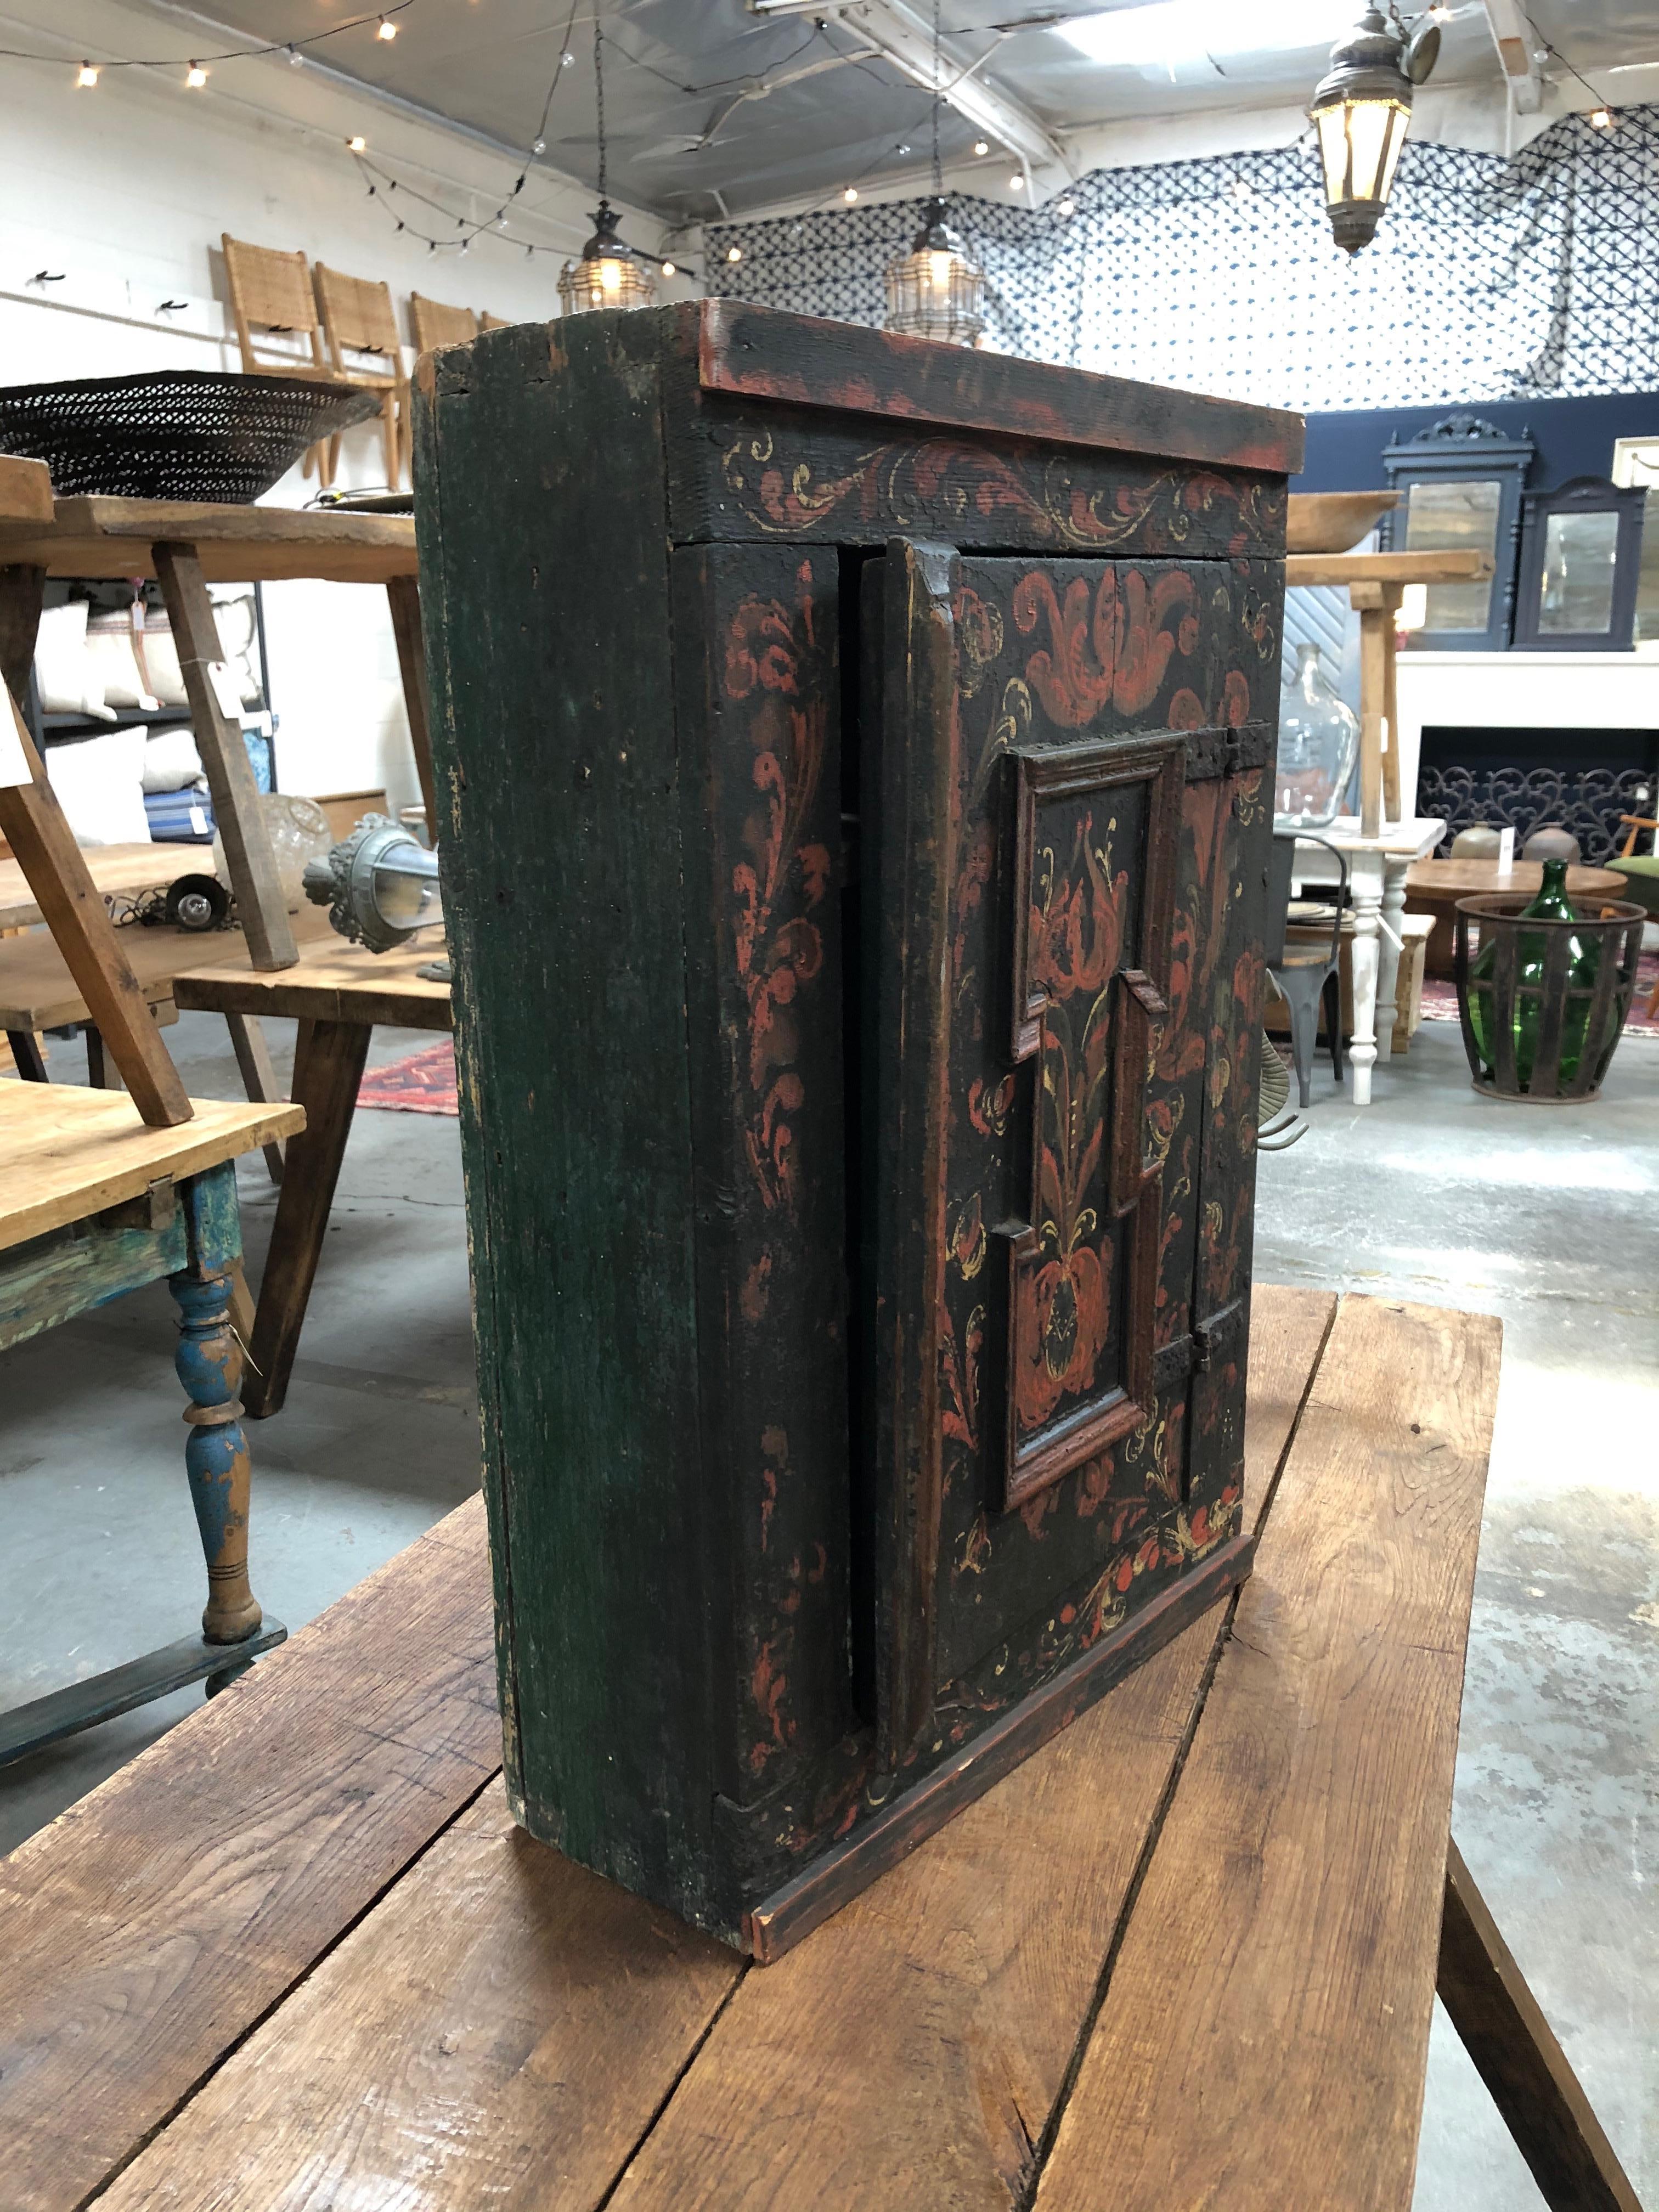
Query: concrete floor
x=1546 y=1217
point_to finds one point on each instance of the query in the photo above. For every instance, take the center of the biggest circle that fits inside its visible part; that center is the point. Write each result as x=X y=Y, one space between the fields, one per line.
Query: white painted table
x=1376 y=878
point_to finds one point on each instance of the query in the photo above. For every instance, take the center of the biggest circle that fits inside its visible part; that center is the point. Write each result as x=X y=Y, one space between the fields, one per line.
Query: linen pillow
x=68 y=682
x=171 y=760
x=100 y=783
x=109 y=647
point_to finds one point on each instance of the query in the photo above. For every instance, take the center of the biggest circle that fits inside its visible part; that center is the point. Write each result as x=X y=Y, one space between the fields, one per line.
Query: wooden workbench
x=117 y=871
x=93 y=538
x=337 y=993
x=297 y=1954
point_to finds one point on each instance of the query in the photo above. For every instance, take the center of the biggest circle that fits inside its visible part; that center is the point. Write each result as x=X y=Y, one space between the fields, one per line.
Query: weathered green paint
x=72 y=1271
x=214 y=1221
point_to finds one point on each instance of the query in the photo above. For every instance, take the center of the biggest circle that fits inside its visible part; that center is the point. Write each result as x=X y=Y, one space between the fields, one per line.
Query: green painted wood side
x=212 y=1219
x=545 y=584
x=54 y=1278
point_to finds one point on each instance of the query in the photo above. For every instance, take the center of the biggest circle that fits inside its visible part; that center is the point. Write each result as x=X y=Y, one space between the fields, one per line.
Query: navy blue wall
x=1575 y=437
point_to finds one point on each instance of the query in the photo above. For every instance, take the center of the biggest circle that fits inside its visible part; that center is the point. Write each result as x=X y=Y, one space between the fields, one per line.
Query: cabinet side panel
x=544 y=561
x=757 y=659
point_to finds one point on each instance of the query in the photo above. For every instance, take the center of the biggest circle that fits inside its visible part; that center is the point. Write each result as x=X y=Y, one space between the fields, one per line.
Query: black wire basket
x=175 y=433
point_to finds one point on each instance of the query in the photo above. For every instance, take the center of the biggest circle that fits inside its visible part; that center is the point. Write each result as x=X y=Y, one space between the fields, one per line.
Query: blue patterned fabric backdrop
x=1489 y=279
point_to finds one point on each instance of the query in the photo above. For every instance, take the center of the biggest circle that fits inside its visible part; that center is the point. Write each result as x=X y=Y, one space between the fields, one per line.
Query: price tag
x=226 y=690
x=14 y=761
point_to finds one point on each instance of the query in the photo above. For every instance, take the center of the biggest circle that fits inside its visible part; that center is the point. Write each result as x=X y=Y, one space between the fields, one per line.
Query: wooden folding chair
x=358 y=318
x=435 y=324
x=270 y=296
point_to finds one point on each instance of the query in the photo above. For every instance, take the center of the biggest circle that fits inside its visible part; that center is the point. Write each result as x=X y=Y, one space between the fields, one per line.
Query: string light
x=196 y=67
x=196 y=77
x=86 y=77
x=1602 y=119
x=296 y=59
x=981 y=148
x=669 y=269
x=1067 y=206
x=1016 y=183
x=356 y=145
x=734 y=253
x=387 y=30
x=850 y=194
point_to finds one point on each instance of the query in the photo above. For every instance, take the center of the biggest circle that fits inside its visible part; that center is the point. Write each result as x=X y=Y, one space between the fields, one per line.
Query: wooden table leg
x=1387 y=953
x=1365 y=885
x=328 y=1066
x=404 y=597
x=1367 y=599
x=1392 y=595
x=1538 y=2096
x=25 y=1051
x=260 y=906
x=209 y=1364
x=247 y=1042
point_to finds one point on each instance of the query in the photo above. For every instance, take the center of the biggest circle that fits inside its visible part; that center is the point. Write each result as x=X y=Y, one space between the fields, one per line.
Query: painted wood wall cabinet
x=856 y=776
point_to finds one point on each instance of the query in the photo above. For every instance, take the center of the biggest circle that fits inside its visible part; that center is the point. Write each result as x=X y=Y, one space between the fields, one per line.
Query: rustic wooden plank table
x=337 y=993
x=297 y=1955
x=117 y=871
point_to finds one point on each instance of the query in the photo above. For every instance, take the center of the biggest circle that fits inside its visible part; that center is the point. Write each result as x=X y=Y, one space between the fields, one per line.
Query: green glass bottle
x=1551 y=904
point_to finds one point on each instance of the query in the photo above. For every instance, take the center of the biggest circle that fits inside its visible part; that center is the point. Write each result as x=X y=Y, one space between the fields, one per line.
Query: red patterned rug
x=422 y=1083
x=1440 y=998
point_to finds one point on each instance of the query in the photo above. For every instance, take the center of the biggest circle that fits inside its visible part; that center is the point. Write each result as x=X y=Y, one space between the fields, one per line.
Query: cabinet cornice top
x=806 y=361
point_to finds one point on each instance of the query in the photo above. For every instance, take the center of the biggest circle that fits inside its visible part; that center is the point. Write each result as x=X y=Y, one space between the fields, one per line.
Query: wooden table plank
x=1339 y=569
x=66 y=1151
x=98 y=536
x=36 y=990
x=954 y=1988
x=1264 y=2036
x=117 y=871
x=332 y=981
x=151 y=1924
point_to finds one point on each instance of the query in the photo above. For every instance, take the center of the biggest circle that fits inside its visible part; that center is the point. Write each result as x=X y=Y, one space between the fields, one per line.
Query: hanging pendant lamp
x=608 y=273
x=1363 y=109
x=934 y=291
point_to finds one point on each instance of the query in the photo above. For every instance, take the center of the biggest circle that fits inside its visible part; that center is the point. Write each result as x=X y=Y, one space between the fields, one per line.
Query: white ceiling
x=707 y=114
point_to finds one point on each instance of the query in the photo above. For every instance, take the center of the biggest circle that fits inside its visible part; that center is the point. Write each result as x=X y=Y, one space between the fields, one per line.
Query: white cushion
x=110 y=648
x=100 y=783
x=171 y=760
x=69 y=682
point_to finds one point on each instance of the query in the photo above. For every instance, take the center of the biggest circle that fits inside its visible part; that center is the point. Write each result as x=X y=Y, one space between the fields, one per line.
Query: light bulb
x=1067 y=206
x=356 y=145
x=296 y=59
x=611 y=275
x=86 y=77
x=734 y=253
x=1602 y=119
x=850 y=194
x=387 y=31
x=538 y=145
x=1016 y=183
x=940 y=262
x=669 y=270
x=566 y=58
x=196 y=77
x=981 y=148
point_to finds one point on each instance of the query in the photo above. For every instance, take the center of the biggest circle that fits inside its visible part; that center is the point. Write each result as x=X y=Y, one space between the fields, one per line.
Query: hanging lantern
x=1363 y=109
x=934 y=291
x=608 y=275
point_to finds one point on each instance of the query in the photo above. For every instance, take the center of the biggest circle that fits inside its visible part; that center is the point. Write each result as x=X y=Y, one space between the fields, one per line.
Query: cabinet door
x=1027 y=732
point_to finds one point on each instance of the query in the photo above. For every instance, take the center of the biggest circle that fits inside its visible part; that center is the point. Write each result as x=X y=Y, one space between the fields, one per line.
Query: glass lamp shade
x=607 y=274
x=1318 y=745
x=934 y=291
x=1363 y=109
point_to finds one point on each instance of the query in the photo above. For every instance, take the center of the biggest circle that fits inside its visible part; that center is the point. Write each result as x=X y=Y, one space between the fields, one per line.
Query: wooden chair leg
x=1536 y=2091
x=328 y=1066
x=247 y=1042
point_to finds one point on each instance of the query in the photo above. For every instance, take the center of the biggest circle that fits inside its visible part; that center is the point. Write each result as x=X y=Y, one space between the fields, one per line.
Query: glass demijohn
x=1318 y=745
x=1532 y=948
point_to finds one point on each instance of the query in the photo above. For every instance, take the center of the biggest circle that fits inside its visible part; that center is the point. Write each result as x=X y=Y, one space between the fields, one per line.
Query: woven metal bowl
x=175 y=433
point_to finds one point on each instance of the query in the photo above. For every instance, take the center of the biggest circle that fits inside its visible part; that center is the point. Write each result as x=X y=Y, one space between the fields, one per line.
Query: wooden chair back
x=434 y=325
x=358 y=318
x=1635 y=824
x=493 y=322
x=270 y=293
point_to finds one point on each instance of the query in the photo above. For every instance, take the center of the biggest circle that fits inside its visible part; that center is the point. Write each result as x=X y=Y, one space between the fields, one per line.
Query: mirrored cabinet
x=1463 y=482
x=1581 y=560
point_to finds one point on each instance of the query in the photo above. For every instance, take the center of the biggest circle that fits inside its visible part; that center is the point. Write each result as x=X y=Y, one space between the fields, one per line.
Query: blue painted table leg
x=209 y=1364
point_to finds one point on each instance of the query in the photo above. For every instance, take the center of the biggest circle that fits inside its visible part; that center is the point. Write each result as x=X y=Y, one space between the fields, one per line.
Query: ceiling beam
x=1517 y=51
x=902 y=34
